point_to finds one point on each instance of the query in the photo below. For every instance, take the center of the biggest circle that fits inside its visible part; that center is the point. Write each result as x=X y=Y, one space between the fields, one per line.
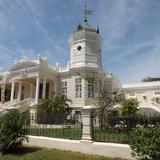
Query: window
x=79 y=48
x=64 y=87
x=90 y=90
x=157 y=93
x=132 y=94
x=78 y=88
x=145 y=98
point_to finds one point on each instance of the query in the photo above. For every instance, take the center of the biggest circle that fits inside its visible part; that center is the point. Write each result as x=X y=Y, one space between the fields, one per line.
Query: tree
x=106 y=102
x=53 y=109
x=129 y=107
x=112 y=118
x=128 y=112
x=13 y=129
x=150 y=79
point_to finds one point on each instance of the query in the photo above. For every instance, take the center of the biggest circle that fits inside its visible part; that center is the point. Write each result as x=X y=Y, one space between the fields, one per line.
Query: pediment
x=23 y=65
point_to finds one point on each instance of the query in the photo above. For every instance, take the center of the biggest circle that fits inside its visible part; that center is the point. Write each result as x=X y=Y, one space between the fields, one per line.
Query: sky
x=130 y=31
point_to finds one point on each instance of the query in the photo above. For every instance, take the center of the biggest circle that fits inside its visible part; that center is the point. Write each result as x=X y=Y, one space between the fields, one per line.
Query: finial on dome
x=98 y=29
x=86 y=12
x=39 y=56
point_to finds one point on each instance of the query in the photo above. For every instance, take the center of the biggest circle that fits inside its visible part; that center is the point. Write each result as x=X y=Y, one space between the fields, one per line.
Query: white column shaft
x=31 y=90
x=12 y=91
x=55 y=86
x=20 y=91
x=44 y=89
x=37 y=89
x=3 y=93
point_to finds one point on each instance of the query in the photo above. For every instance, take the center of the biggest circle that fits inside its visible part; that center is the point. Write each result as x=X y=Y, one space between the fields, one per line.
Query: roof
x=87 y=27
x=23 y=65
x=142 y=85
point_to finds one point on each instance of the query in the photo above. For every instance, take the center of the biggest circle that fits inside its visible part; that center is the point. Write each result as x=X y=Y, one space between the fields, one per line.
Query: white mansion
x=29 y=81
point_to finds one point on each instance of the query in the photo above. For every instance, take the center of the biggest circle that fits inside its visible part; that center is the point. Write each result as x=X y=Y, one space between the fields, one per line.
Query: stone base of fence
x=96 y=148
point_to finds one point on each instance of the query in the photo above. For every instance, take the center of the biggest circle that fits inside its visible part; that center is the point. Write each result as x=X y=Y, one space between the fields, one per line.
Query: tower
x=85 y=45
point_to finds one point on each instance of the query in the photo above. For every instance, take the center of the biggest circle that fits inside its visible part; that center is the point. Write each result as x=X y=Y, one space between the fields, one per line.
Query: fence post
x=87 y=130
x=33 y=115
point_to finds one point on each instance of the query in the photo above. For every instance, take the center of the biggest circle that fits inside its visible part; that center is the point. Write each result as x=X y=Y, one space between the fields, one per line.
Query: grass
x=28 y=153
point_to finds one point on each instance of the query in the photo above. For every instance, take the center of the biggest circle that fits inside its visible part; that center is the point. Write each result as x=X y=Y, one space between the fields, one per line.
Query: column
x=31 y=90
x=37 y=89
x=3 y=93
x=55 y=86
x=12 y=90
x=97 y=89
x=20 y=90
x=44 y=88
x=87 y=133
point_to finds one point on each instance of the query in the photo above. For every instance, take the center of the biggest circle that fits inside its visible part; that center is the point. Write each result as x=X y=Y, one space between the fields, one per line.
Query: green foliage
x=129 y=107
x=13 y=129
x=145 y=143
x=150 y=79
x=54 y=105
x=112 y=118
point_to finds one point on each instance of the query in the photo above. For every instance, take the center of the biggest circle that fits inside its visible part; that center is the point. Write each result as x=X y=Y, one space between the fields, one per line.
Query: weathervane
x=86 y=12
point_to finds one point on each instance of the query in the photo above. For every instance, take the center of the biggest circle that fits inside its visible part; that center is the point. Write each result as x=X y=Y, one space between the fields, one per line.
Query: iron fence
x=116 y=129
x=56 y=126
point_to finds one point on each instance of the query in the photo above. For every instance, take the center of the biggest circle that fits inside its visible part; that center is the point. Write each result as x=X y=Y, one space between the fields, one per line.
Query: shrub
x=112 y=118
x=145 y=143
x=13 y=129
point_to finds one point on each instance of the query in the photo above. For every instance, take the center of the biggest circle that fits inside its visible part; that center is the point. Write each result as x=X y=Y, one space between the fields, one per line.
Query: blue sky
x=130 y=30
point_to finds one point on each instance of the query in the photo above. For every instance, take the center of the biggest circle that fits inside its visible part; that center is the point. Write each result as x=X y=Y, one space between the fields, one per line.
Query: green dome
x=85 y=26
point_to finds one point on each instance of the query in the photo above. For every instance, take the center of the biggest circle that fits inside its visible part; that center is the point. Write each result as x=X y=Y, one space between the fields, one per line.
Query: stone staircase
x=155 y=106
x=21 y=106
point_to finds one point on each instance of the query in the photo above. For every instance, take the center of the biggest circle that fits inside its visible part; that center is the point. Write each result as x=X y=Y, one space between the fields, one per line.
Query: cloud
x=130 y=30
x=143 y=66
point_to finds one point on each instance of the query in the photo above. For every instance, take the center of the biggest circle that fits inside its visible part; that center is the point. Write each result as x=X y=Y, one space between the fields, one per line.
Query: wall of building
x=144 y=96
x=76 y=102
x=147 y=94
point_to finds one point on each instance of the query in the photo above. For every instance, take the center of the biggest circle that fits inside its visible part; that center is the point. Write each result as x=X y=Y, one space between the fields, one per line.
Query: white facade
x=29 y=81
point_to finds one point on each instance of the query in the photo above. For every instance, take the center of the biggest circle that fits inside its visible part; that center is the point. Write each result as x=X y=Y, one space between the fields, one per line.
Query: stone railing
x=156 y=106
x=7 y=104
x=58 y=69
x=4 y=107
x=22 y=106
x=25 y=102
x=54 y=68
x=66 y=69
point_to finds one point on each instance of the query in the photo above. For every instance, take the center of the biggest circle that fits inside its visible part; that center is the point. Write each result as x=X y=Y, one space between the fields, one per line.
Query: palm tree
x=13 y=129
x=53 y=106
